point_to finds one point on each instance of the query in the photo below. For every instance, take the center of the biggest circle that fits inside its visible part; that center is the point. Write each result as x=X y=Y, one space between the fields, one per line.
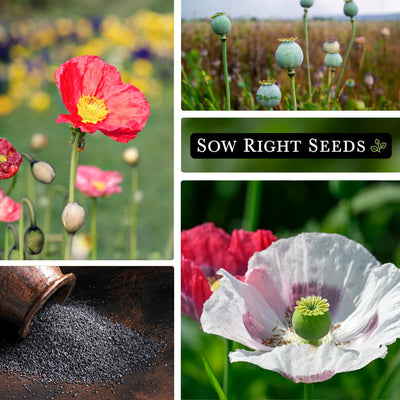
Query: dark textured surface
x=112 y=340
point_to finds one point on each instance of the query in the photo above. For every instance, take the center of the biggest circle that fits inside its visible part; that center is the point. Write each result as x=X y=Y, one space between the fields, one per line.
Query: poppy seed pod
x=289 y=55
x=333 y=60
x=306 y=3
x=220 y=24
x=385 y=31
x=43 y=172
x=331 y=46
x=311 y=319
x=350 y=8
x=73 y=217
x=33 y=240
x=350 y=83
x=268 y=94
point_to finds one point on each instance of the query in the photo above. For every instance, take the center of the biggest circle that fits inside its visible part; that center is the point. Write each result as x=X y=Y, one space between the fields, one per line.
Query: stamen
x=92 y=109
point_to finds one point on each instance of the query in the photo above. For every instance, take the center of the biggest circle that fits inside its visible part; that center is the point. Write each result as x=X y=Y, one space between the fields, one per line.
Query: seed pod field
x=251 y=48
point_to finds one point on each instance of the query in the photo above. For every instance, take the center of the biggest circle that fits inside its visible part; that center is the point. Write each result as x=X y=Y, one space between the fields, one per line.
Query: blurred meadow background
x=367 y=212
x=290 y=125
x=36 y=36
x=373 y=63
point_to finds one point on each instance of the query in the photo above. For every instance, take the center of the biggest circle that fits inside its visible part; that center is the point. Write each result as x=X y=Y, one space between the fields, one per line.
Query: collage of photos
x=199 y=200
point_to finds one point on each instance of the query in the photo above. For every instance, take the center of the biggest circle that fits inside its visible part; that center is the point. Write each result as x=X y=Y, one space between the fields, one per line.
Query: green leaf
x=383 y=145
x=213 y=380
x=377 y=141
x=374 y=149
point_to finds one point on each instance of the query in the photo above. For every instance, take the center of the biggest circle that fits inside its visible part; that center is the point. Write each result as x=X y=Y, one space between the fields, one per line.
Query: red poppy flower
x=205 y=249
x=10 y=159
x=10 y=210
x=96 y=98
x=95 y=182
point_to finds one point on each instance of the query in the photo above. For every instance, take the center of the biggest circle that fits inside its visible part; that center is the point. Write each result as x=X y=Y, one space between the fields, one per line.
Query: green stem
x=291 y=74
x=133 y=219
x=93 y=229
x=353 y=31
x=14 y=181
x=32 y=216
x=252 y=205
x=227 y=382
x=78 y=136
x=225 y=62
x=47 y=214
x=308 y=391
x=307 y=54
x=6 y=240
x=331 y=79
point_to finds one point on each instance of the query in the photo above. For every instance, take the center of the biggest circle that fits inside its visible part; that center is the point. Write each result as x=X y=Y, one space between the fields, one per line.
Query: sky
x=281 y=9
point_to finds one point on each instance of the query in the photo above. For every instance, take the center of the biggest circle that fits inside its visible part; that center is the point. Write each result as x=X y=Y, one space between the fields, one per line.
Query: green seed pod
x=220 y=24
x=350 y=8
x=33 y=240
x=73 y=217
x=350 y=83
x=311 y=319
x=333 y=60
x=268 y=94
x=306 y=3
x=289 y=55
x=43 y=172
x=13 y=254
x=331 y=46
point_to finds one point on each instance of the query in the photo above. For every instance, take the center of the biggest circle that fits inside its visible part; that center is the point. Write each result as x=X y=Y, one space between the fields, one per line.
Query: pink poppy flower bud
x=73 y=217
x=131 y=155
x=369 y=80
x=43 y=172
x=385 y=31
x=38 y=141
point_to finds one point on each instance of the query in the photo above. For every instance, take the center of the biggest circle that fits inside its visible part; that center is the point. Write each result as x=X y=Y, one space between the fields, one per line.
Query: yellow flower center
x=91 y=109
x=99 y=185
x=3 y=158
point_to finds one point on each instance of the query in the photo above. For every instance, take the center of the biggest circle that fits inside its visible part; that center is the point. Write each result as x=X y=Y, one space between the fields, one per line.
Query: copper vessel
x=24 y=290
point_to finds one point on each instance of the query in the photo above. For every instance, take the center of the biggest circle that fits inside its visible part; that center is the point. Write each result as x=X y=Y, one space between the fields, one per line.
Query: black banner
x=290 y=145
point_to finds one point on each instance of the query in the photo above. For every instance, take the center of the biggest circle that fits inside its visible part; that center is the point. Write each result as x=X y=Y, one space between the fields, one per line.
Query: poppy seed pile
x=73 y=343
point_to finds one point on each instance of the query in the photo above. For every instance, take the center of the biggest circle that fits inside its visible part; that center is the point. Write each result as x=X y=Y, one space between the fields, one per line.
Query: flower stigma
x=91 y=109
x=311 y=319
x=3 y=158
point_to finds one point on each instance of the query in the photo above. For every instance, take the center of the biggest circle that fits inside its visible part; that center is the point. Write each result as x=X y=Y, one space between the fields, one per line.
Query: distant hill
x=373 y=17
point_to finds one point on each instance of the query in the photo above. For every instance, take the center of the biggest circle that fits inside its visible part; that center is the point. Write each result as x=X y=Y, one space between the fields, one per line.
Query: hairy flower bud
x=131 y=155
x=73 y=217
x=43 y=172
x=33 y=240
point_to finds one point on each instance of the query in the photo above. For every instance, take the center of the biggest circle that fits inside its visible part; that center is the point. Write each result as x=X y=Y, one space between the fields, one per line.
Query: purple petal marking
x=254 y=328
x=323 y=376
x=330 y=293
x=370 y=327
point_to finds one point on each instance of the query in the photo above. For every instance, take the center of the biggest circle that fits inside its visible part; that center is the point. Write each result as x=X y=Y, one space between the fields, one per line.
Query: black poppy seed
x=75 y=344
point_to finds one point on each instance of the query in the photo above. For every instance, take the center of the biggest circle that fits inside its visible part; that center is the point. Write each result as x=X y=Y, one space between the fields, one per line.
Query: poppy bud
x=73 y=217
x=38 y=141
x=43 y=171
x=131 y=155
x=33 y=240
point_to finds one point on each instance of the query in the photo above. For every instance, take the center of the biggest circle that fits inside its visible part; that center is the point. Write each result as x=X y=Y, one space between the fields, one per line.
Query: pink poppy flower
x=10 y=210
x=205 y=249
x=10 y=159
x=96 y=99
x=363 y=298
x=94 y=182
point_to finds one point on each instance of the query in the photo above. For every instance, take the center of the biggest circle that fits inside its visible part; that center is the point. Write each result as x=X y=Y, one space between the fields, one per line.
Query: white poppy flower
x=363 y=297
